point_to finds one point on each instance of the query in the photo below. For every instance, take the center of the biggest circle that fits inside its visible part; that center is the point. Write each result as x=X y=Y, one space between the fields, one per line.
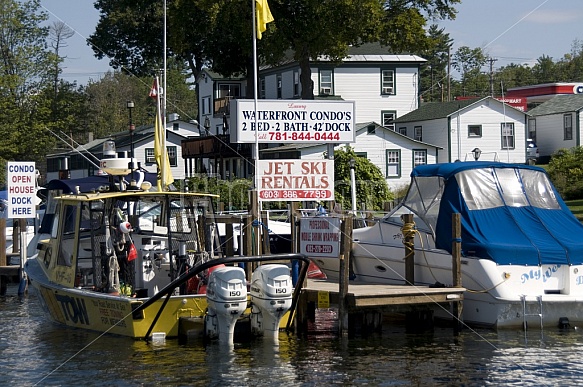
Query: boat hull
x=498 y=296
x=101 y=312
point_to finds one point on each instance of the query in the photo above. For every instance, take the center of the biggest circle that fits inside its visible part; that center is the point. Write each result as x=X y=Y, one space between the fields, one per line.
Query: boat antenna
x=74 y=149
x=505 y=124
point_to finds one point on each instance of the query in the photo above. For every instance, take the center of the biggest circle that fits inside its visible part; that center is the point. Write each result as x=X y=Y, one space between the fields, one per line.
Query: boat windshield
x=422 y=200
x=496 y=187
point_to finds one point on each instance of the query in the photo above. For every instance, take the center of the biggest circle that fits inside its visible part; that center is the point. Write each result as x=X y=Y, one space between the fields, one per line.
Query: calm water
x=34 y=351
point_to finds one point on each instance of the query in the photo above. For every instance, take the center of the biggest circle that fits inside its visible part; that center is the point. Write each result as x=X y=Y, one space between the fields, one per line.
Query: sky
x=510 y=31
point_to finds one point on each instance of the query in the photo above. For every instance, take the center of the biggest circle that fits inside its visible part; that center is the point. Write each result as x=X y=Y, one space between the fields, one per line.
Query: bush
x=566 y=172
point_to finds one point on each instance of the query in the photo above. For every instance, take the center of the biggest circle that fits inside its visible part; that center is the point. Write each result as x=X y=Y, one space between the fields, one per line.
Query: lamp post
x=477 y=152
x=352 y=163
x=130 y=106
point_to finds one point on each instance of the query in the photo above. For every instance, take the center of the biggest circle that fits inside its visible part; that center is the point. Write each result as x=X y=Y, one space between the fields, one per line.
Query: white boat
x=522 y=248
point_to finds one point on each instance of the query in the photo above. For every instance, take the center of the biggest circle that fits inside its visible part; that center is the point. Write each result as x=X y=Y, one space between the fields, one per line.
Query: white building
x=84 y=160
x=556 y=124
x=496 y=129
x=395 y=154
x=382 y=87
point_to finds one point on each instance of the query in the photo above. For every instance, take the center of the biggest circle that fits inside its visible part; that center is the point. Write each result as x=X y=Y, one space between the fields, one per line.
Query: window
x=371 y=129
x=175 y=126
x=474 y=130
x=361 y=154
x=532 y=129
x=387 y=118
x=172 y=157
x=507 y=129
x=567 y=127
x=388 y=82
x=419 y=157
x=296 y=83
x=225 y=90
x=326 y=83
x=418 y=133
x=393 y=163
x=150 y=159
x=403 y=130
x=279 y=86
x=206 y=105
x=262 y=88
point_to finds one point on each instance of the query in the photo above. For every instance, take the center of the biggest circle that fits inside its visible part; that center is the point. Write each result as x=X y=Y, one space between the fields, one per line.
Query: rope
x=409 y=231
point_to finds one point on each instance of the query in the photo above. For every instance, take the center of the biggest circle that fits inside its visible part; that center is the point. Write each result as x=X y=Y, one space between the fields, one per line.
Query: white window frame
x=419 y=157
x=150 y=157
x=393 y=161
x=388 y=82
x=326 y=77
x=386 y=118
x=507 y=135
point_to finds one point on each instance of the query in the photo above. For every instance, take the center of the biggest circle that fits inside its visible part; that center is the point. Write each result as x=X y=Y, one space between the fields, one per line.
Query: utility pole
x=492 y=60
x=449 y=74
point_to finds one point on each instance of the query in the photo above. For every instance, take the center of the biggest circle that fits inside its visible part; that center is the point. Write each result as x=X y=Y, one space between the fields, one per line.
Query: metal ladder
x=525 y=315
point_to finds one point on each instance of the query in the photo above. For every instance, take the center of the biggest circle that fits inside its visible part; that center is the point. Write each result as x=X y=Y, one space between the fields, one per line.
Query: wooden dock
x=365 y=304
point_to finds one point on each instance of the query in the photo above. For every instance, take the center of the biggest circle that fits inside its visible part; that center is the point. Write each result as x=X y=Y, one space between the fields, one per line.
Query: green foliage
x=371 y=186
x=234 y=194
x=566 y=172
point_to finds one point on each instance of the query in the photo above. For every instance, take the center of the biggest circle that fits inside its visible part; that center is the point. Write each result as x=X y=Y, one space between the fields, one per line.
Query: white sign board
x=320 y=236
x=21 y=189
x=292 y=121
x=295 y=180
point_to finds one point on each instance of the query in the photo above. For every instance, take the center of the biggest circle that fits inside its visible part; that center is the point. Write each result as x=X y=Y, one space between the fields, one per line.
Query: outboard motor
x=226 y=295
x=271 y=297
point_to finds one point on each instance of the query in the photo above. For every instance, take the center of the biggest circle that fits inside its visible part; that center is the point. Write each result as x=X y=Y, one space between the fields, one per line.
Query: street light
x=477 y=152
x=352 y=164
x=130 y=106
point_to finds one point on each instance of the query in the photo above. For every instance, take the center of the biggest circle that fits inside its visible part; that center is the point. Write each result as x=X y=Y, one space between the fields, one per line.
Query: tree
x=434 y=73
x=217 y=33
x=25 y=65
x=59 y=32
x=371 y=186
x=468 y=62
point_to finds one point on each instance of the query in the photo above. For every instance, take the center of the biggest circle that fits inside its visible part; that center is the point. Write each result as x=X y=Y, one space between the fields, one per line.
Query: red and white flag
x=154 y=89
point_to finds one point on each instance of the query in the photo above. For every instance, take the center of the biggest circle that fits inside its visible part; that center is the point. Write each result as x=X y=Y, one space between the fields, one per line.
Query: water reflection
x=35 y=351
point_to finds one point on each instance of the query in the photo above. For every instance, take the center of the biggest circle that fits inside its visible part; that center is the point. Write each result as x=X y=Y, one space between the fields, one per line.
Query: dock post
x=295 y=244
x=229 y=235
x=345 y=248
x=248 y=243
x=456 y=252
x=3 y=259
x=265 y=234
x=409 y=242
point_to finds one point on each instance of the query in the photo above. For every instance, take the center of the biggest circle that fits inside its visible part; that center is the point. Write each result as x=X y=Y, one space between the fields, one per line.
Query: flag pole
x=257 y=203
x=163 y=138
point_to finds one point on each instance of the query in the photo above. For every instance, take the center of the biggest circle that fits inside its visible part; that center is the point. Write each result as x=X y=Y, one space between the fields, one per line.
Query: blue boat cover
x=529 y=224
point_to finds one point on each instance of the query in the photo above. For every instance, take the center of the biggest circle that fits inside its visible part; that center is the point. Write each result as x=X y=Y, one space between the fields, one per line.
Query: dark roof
x=559 y=104
x=434 y=110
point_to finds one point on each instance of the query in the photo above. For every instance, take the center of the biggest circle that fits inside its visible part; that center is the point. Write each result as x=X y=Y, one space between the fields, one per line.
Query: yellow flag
x=161 y=155
x=264 y=16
